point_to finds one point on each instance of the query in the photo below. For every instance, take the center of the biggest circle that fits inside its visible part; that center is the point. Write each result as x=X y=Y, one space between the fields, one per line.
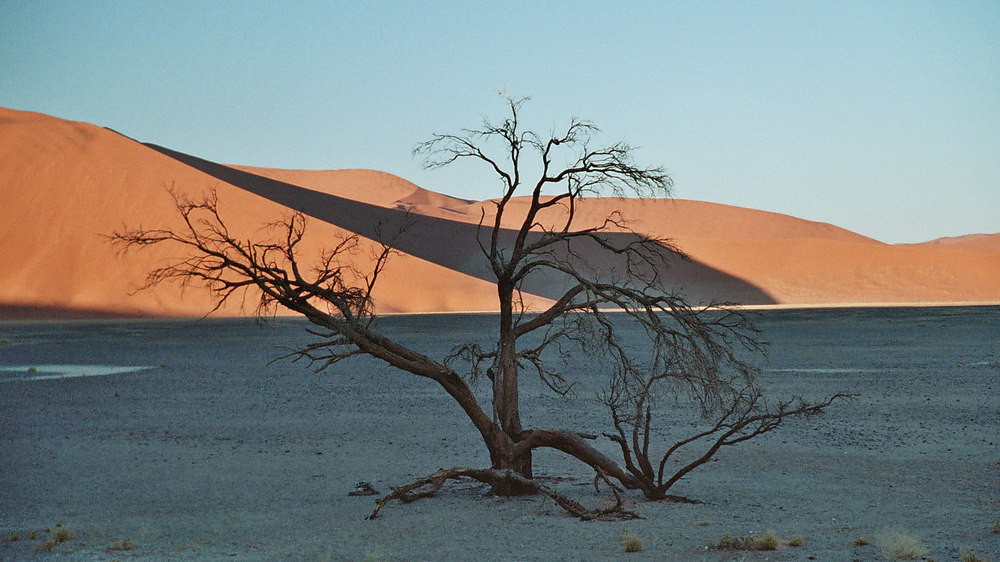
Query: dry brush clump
x=970 y=556
x=896 y=544
x=862 y=540
x=121 y=545
x=631 y=542
x=765 y=542
x=57 y=535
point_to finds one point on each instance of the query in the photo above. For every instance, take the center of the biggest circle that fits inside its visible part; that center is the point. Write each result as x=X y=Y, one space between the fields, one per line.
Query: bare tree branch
x=615 y=309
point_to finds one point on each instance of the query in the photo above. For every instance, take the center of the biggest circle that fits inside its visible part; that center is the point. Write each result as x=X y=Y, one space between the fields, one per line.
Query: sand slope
x=64 y=186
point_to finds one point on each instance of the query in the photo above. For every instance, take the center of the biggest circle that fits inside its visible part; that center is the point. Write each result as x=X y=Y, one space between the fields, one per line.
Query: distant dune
x=65 y=186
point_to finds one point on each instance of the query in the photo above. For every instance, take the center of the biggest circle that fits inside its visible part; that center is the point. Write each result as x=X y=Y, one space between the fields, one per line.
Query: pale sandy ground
x=210 y=454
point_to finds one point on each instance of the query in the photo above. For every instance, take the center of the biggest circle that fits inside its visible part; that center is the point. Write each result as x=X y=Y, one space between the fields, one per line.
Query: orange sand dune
x=64 y=186
x=793 y=260
x=979 y=241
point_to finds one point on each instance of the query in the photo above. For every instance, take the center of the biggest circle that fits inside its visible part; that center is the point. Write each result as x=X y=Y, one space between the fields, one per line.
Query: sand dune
x=979 y=241
x=64 y=186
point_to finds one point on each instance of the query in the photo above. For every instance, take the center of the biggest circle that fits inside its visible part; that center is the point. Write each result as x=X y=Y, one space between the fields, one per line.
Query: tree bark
x=521 y=465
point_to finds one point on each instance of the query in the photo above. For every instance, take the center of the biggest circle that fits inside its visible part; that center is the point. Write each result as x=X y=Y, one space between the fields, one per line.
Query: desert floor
x=208 y=452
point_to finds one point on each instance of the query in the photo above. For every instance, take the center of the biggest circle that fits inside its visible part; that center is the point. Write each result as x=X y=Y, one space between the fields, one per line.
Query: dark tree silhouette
x=610 y=279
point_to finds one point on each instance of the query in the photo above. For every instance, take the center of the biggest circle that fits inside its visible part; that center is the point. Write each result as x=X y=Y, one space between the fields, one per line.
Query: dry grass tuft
x=729 y=542
x=797 y=541
x=767 y=541
x=862 y=540
x=969 y=556
x=57 y=536
x=124 y=544
x=631 y=542
x=898 y=545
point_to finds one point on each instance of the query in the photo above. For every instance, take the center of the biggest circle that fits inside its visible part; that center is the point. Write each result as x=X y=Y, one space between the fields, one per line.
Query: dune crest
x=66 y=185
x=977 y=241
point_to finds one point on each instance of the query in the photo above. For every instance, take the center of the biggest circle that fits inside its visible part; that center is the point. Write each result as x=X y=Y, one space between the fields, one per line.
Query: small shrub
x=14 y=537
x=996 y=528
x=124 y=544
x=969 y=556
x=898 y=545
x=862 y=540
x=631 y=542
x=4 y=341
x=729 y=542
x=767 y=541
x=796 y=541
x=63 y=533
x=57 y=536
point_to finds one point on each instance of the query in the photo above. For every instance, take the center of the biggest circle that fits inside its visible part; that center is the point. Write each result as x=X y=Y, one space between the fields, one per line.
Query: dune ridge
x=65 y=186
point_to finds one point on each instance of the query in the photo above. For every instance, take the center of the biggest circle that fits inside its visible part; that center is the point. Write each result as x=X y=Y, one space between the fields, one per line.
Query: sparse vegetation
x=57 y=536
x=898 y=545
x=631 y=542
x=767 y=541
x=729 y=542
x=996 y=528
x=14 y=537
x=4 y=341
x=798 y=540
x=969 y=556
x=124 y=544
x=862 y=540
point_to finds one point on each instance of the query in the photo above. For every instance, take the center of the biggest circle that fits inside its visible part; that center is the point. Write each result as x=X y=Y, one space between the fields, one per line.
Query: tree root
x=426 y=487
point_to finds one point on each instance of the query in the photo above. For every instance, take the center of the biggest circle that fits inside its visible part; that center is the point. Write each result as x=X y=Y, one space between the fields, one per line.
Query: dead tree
x=607 y=277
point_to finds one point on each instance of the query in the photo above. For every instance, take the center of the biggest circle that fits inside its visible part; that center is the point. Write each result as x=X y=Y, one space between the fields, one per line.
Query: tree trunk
x=506 y=401
x=520 y=464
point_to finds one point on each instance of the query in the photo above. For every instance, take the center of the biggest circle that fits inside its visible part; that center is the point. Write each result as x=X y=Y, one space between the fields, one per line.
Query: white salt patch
x=49 y=372
x=822 y=370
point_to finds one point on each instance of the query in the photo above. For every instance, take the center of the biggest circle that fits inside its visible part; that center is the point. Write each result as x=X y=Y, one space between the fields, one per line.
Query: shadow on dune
x=455 y=245
x=15 y=312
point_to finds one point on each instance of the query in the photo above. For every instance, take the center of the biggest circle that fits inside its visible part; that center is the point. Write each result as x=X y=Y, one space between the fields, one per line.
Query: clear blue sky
x=881 y=117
